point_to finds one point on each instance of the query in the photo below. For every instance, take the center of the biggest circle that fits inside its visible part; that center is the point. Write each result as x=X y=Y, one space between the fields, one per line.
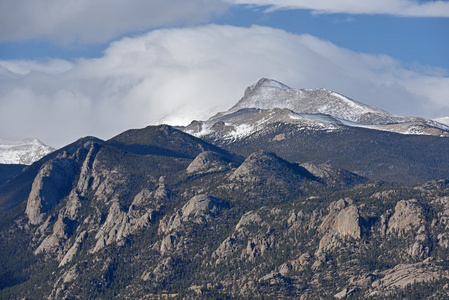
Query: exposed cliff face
x=53 y=182
x=408 y=223
x=201 y=209
x=343 y=221
x=73 y=251
x=442 y=221
x=86 y=177
x=143 y=211
x=408 y=214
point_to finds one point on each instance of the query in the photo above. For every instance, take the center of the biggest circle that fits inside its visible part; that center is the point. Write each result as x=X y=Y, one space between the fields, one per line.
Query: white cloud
x=100 y=21
x=191 y=73
x=23 y=67
x=97 y=21
x=406 y=8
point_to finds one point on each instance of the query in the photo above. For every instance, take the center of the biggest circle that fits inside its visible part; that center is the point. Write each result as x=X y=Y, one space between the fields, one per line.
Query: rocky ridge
x=157 y=213
x=268 y=101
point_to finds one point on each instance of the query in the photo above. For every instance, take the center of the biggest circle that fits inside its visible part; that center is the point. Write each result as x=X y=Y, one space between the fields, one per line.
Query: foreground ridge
x=155 y=212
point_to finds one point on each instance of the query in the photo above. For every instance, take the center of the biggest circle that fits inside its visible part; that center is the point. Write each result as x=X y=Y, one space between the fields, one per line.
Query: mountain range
x=323 y=127
x=301 y=194
x=269 y=101
x=444 y=120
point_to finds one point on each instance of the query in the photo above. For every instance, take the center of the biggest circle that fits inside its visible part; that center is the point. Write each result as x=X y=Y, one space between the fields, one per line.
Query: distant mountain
x=271 y=94
x=324 y=127
x=24 y=152
x=269 y=101
x=444 y=120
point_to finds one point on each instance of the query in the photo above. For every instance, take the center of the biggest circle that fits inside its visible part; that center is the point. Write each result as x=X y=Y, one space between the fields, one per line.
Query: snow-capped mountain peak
x=23 y=152
x=270 y=94
x=444 y=120
x=269 y=102
x=265 y=83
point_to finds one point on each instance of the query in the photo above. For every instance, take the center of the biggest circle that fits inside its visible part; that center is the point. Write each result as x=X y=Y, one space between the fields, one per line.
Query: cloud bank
x=100 y=21
x=404 y=8
x=97 y=21
x=178 y=75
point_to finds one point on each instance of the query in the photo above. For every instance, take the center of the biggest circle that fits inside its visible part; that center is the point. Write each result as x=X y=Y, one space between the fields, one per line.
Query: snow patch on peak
x=203 y=129
x=270 y=94
x=23 y=152
x=241 y=131
x=444 y=120
x=269 y=102
x=344 y=99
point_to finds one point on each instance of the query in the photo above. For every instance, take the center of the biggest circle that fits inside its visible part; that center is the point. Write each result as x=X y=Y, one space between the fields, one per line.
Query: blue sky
x=71 y=69
x=411 y=40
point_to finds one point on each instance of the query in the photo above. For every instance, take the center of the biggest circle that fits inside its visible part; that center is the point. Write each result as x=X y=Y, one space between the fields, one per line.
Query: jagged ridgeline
x=158 y=213
x=324 y=127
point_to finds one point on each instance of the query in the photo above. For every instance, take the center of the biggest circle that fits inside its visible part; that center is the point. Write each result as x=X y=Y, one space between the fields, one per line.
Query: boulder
x=347 y=222
x=225 y=250
x=169 y=243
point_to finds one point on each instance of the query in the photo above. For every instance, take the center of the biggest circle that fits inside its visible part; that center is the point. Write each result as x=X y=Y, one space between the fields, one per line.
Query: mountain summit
x=269 y=101
x=271 y=94
x=324 y=127
x=23 y=152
